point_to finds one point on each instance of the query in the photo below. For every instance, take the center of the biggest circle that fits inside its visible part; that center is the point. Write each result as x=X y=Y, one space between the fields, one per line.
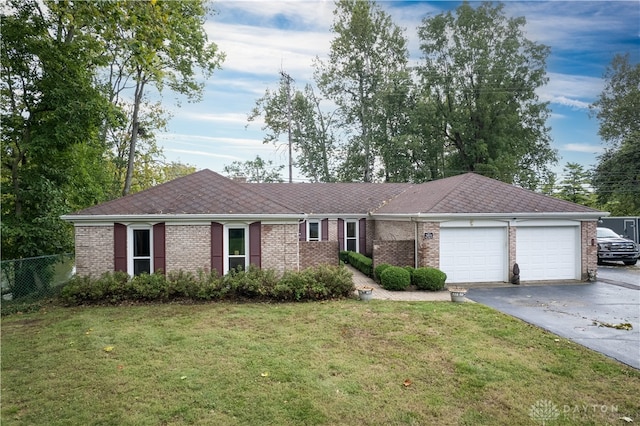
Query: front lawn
x=339 y=363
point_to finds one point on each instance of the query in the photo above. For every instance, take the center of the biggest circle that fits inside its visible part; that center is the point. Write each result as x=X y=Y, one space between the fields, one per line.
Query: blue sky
x=261 y=38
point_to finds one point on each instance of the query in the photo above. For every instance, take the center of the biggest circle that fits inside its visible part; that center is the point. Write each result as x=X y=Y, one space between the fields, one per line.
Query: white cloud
x=586 y=148
x=575 y=91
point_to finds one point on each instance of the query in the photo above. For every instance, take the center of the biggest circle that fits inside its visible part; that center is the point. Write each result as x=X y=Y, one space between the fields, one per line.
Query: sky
x=262 y=38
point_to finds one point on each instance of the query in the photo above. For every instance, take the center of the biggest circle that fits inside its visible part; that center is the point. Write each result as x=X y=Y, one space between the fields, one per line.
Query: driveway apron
x=583 y=313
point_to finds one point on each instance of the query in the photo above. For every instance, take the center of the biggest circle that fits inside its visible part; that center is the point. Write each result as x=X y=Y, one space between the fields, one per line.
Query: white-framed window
x=236 y=247
x=140 y=249
x=313 y=230
x=351 y=235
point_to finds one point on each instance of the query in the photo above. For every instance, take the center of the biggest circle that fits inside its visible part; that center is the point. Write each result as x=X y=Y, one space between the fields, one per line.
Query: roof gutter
x=178 y=217
x=461 y=216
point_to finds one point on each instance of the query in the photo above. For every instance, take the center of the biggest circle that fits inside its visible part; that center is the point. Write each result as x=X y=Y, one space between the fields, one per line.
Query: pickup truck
x=613 y=247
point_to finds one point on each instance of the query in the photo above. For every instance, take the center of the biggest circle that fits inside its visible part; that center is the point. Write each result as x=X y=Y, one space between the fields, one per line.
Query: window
x=237 y=248
x=313 y=231
x=351 y=235
x=140 y=251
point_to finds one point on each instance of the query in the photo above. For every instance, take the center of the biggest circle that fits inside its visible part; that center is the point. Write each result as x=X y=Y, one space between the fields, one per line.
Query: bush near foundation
x=395 y=278
x=316 y=283
x=361 y=262
x=427 y=278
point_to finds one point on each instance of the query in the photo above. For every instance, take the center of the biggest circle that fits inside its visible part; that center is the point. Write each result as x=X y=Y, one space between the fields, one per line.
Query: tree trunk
x=135 y=126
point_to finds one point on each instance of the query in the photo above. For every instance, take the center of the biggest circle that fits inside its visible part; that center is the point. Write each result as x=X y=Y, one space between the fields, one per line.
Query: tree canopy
x=470 y=104
x=66 y=69
x=617 y=175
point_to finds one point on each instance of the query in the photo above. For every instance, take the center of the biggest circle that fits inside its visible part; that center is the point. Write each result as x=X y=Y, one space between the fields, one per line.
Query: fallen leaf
x=407 y=383
x=121 y=367
x=108 y=348
x=183 y=377
x=265 y=374
x=556 y=340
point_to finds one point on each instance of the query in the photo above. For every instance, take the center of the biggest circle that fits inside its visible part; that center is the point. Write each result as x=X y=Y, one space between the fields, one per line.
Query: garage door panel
x=547 y=253
x=473 y=254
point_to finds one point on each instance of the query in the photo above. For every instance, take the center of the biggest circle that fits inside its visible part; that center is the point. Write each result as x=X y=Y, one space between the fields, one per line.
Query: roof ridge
x=390 y=200
x=462 y=178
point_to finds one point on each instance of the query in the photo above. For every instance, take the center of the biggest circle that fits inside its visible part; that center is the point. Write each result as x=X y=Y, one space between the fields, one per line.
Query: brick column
x=429 y=248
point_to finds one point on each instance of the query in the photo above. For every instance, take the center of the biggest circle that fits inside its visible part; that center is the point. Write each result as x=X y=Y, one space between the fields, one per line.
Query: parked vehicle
x=612 y=246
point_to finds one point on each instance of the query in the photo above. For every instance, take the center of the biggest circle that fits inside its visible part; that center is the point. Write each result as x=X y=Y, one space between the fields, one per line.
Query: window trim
x=130 y=244
x=356 y=222
x=319 y=225
x=225 y=246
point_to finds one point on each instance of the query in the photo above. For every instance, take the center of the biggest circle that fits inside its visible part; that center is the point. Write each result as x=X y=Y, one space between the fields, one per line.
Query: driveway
x=583 y=313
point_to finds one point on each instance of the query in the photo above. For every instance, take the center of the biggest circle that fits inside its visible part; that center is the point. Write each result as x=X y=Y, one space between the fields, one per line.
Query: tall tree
x=482 y=73
x=312 y=136
x=51 y=117
x=617 y=175
x=256 y=170
x=575 y=186
x=367 y=57
x=153 y=44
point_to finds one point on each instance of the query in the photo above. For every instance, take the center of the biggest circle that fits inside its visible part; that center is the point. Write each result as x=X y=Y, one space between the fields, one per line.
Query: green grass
x=343 y=362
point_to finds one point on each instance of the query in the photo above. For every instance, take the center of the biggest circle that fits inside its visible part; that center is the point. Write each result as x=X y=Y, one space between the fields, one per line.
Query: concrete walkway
x=361 y=280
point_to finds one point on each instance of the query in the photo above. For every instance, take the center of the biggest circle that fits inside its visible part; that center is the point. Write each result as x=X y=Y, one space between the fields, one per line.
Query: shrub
x=427 y=278
x=377 y=272
x=317 y=283
x=395 y=278
x=337 y=280
x=410 y=269
x=361 y=262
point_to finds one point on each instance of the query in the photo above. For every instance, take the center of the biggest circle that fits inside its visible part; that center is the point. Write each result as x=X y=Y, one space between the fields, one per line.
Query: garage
x=476 y=254
x=548 y=253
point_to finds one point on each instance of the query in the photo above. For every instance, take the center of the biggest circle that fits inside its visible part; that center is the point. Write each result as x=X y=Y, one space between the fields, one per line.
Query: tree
x=152 y=44
x=256 y=170
x=51 y=116
x=575 y=186
x=616 y=177
x=367 y=58
x=312 y=134
x=481 y=74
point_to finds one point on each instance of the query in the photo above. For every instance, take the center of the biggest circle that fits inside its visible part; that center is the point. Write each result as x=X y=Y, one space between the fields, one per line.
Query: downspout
x=415 y=244
x=298 y=243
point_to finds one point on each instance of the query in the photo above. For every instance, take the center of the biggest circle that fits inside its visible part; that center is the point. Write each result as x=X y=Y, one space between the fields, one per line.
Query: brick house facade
x=199 y=222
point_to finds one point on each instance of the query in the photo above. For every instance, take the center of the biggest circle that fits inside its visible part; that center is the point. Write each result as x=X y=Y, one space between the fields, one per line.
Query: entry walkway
x=361 y=280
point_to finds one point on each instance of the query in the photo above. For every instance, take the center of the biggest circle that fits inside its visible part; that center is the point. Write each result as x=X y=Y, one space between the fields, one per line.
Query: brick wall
x=313 y=253
x=188 y=247
x=333 y=229
x=589 y=253
x=512 y=236
x=280 y=247
x=395 y=252
x=94 y=250
x=429 y=249
x=394 y=230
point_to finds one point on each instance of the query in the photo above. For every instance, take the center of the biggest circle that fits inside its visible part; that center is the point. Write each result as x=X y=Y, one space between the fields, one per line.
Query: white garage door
x=472 y=255
x=548 y=253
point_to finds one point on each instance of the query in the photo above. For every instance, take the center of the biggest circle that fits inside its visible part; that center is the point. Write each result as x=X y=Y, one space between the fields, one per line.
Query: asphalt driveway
x=583 y=313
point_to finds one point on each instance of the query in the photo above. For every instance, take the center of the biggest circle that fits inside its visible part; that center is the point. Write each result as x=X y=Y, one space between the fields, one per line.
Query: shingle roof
x=202 y=192
x=207 y=192
x=331 y=198
x=473 y=193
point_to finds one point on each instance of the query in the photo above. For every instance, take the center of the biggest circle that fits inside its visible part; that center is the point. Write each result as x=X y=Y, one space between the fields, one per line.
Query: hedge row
x=317 y=283
x=359 y=261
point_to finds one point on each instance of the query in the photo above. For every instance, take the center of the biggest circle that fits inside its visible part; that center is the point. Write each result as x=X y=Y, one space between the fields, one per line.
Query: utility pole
x=287 y=78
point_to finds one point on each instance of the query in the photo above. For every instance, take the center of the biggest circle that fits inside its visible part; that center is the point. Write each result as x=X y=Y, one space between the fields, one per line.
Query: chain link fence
x=34 y=278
